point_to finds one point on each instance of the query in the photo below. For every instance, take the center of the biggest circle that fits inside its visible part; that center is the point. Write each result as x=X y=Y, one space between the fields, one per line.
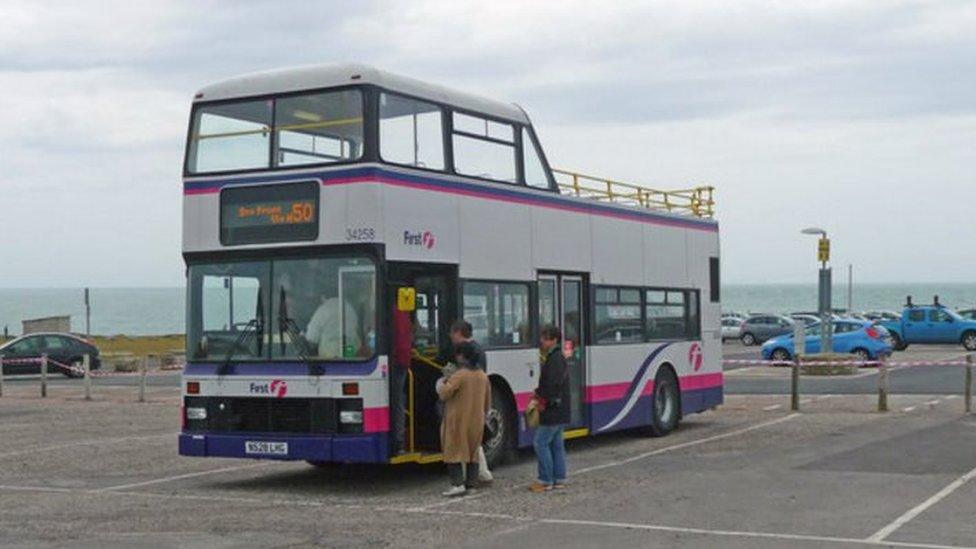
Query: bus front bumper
x=365 y=448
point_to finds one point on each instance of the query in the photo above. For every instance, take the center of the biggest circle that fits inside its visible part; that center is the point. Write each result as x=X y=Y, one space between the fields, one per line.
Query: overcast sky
x=859 y=117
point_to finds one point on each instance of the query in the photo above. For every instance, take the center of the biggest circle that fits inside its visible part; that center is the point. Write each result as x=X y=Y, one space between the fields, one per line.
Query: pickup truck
x=931 y=324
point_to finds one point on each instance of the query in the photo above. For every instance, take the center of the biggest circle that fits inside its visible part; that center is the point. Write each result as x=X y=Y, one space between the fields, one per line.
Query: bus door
x=435 y=305
x=561 y=303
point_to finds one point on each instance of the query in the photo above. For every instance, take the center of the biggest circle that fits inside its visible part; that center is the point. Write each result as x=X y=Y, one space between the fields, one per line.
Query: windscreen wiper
x=253 y=326
x=288 y=325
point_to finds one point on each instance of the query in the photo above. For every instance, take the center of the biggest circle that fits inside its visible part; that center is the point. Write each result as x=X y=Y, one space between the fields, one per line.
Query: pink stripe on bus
x=700 y=381
x=376 y=420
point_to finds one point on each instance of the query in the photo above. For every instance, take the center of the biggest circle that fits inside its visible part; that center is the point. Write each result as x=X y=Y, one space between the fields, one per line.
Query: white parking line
x=932 y=402
x=773 y=407
x=951 y=397
x=909 y=409
x=184 y=476
x=920 y=508
x=93 y=442
x=741 y=534
x=683 y=445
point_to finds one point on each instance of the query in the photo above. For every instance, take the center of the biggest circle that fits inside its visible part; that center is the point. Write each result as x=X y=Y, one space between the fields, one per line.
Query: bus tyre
x=969 y=340
x=897 y=343
x=748 y=339
x=666 y=408
x=500 y=428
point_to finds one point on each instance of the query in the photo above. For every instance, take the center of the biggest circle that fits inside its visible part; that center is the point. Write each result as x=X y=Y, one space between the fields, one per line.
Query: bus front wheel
x=500 y=428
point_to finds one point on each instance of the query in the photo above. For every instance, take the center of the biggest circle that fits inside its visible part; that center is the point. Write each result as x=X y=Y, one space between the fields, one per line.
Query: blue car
x=859 y=337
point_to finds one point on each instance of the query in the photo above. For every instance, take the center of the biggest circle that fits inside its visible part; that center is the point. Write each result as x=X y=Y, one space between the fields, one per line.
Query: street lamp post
x=824 y=302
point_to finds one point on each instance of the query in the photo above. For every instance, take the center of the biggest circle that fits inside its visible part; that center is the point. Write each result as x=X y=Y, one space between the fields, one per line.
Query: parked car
x=969 y=314
x=759 y=328
x=62 y=348
x=859 y=337
x=731 y=328
x=806 y=319
x=931 y=324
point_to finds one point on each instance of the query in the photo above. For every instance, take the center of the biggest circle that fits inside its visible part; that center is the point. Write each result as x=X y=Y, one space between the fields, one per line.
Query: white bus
x=313 y=195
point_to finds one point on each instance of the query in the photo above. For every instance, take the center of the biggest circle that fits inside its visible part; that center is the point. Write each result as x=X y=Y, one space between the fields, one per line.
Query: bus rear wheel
x=666 y=409
x=500 y=428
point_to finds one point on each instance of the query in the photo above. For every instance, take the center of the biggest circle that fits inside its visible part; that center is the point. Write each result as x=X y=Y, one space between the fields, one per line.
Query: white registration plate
x=264 y=448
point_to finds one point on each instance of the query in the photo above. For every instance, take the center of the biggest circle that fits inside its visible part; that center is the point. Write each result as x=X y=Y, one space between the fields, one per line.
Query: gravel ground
x=106 y=474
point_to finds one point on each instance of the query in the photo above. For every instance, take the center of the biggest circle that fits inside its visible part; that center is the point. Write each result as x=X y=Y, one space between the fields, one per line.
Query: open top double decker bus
x=314 y=197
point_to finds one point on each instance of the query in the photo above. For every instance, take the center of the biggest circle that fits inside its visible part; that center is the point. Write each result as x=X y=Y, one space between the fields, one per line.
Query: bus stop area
x=106 y=473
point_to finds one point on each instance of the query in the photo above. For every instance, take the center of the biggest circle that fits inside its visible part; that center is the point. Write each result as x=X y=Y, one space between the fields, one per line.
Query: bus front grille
x=263 y=415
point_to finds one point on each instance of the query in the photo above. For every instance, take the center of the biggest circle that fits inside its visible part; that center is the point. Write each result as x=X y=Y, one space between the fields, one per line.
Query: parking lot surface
x=750 y=474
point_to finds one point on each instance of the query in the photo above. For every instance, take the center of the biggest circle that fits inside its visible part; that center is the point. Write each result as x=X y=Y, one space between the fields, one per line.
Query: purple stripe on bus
x=377 y=175
x=281 y=368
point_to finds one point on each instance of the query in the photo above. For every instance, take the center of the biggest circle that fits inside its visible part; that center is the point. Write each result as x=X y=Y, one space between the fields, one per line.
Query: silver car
x=731 y=328
x=759 y=328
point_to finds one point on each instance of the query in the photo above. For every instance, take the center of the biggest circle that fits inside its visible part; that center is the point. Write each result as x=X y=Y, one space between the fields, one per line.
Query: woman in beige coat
x=467 y=396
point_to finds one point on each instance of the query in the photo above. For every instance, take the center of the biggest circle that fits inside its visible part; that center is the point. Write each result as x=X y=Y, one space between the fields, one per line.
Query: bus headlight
x=351 y=417
x=196 y=413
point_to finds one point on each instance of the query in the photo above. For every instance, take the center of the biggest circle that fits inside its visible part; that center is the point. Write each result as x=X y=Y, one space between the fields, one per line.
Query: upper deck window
x=230 y=136
x=313 y=128
x=535 y=171
x=318 y=128
x=411 y=132
x=484 y=148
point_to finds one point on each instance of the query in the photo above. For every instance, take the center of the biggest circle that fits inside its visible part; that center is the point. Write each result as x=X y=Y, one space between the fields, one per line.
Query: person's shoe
x=455 y=491
x=538 y=487
x=485 y=478
x=559 y=485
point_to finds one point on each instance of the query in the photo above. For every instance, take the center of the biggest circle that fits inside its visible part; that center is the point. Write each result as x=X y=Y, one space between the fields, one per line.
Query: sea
x=160 y=311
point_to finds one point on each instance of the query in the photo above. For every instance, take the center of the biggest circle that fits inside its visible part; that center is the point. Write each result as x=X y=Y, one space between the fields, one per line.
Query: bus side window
x=484 y=148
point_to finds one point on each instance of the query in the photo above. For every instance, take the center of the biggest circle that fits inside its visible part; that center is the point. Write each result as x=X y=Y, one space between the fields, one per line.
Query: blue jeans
x=551 y=453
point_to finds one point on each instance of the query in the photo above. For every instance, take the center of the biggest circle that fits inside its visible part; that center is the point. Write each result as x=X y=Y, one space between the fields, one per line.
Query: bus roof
x=326 y=76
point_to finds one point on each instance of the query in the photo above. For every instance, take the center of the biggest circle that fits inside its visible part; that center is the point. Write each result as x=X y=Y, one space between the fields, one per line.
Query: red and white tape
x=757 y=362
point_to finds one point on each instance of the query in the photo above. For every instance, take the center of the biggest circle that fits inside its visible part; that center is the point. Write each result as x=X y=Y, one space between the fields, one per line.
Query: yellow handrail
x=696 y=201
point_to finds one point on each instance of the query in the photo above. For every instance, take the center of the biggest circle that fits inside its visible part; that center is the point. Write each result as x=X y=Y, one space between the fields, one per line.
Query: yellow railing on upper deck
x=697 y=201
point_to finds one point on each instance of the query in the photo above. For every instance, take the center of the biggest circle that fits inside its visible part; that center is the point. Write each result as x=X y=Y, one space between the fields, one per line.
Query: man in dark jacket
x=553 y=400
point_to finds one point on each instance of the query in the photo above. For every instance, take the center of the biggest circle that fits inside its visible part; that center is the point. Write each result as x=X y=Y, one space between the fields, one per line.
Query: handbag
x=532 y=414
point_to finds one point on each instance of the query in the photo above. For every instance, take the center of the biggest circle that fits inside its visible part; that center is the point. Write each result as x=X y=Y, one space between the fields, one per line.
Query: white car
x=731 y=328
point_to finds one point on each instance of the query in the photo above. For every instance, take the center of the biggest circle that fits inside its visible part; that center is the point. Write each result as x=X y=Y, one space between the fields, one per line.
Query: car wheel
x=666 y=411
x=73 y=374
x=748 y=339
x=897 y=343
x=781 y=355
x=500 y=428
x=862 y=355
x=969 y=340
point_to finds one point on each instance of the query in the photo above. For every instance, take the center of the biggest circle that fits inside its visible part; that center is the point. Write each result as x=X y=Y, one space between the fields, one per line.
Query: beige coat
x=467 y=397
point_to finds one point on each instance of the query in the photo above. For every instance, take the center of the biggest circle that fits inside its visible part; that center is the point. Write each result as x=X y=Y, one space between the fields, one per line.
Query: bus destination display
x=269 y=213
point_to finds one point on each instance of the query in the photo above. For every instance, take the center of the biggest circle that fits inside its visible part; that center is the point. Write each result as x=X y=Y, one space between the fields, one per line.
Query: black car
x=22 y=355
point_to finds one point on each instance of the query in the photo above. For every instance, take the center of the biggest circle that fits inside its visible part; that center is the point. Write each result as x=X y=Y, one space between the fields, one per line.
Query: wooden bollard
x=795 y=385
x=883 y=384
x=86 y=364
x=44 y=376
x=969 y=383
x=144 y=366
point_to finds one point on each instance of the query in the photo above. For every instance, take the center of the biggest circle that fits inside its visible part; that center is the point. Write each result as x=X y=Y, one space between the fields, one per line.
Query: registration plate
x=264 y=448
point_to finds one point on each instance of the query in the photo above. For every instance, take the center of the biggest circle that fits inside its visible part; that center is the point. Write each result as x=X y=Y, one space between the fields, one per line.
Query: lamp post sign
x=824 y=302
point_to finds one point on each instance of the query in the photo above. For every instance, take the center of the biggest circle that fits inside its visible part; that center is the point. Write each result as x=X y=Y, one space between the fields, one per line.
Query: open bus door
x=434 y=289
